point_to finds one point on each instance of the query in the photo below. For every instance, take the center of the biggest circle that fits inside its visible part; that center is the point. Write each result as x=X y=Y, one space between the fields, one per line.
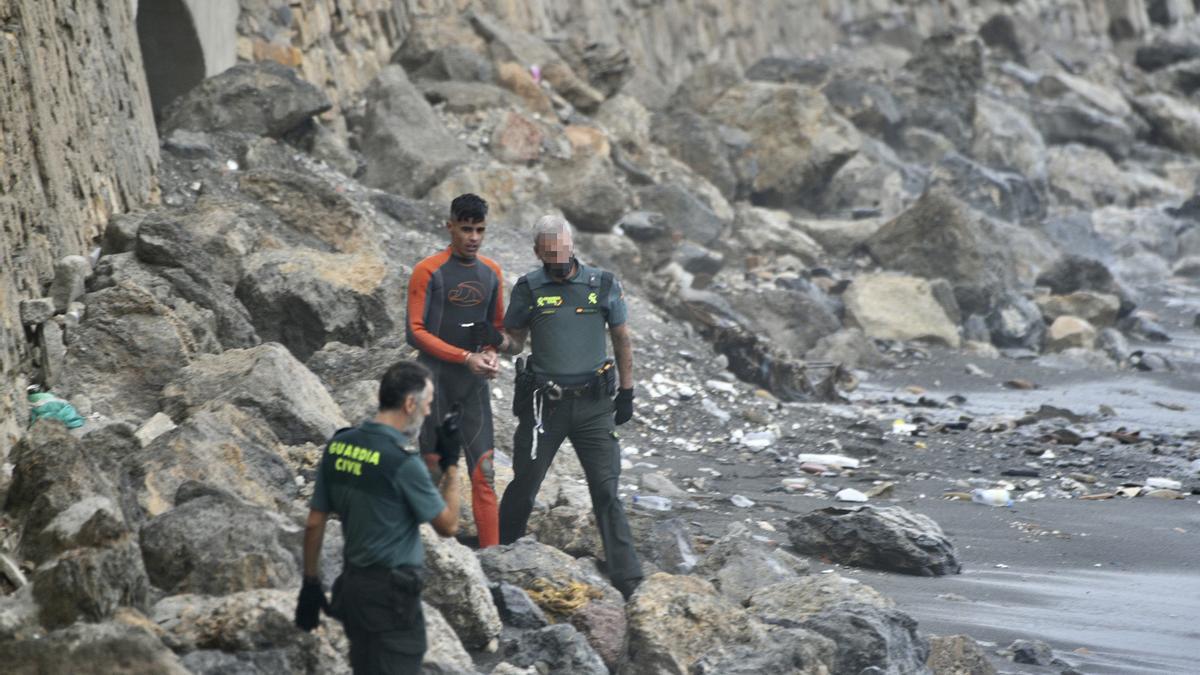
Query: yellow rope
x=561 y=601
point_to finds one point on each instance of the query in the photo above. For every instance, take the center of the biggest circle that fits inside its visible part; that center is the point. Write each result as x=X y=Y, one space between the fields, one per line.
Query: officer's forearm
x=514 y=342
x=314 y=537
x=623 y=351
x=446 y=522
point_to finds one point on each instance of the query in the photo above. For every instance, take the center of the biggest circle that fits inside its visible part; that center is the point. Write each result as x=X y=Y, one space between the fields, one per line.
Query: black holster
x=523 y=388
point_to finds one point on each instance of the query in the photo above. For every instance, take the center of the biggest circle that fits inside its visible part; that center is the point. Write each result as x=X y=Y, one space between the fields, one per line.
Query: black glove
x=449 y=439
x=312 y=601
x=484 y=334
x=624 y=405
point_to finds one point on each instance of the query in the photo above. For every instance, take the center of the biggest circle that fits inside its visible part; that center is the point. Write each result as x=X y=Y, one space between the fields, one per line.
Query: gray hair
x=552 y=226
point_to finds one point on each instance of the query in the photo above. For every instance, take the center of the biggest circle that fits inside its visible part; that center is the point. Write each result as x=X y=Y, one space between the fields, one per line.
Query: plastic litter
x=839 y=461
x=902 y=428
x=993 y=497
x=759 y=440
x=1164 y=483
x=742 y=502
x=797 y=483
x=45 y=405
x=850 y=495
x=652 y=502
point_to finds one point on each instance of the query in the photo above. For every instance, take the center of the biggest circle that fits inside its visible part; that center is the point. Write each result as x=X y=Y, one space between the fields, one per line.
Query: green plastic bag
x=44 y=405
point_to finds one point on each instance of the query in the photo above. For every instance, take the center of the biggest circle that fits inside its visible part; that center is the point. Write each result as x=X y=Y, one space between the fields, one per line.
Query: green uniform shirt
x=381 y=493
x=566 y=320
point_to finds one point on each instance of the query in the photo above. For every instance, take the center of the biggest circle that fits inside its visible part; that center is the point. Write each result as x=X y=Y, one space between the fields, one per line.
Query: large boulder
x=444 y=652
x=588 y=192
x=683 y=212
x=936 y=89
x=605 y=627
x=210 y=240
x=303 y=298
x=1016 y=322
x=305 y=211
x=120 y=647
x=128 y=346
x=1006 y=138
x=800 y=598
x=1001 y=194
x=556 y=650
x=674 y=620
x=1063 y=121
x=407 y=148
x=1105 y=183
x=1067 y=332
x=888 y=538
x=796 y=138
x=213 y=543
x=941 y=237
x=72 y=527
x=528 y=564
x=266 y=379
x=795 y=318
x=262 y=98
x=890 y=306
x=91 y=582
x=458 y=587
x=871 y=639
x=248 y=632
x=1071 y=273
x=958 y=655
x=218 y=444
x=340 y=365
x=215 y=317
x=1098 y=309
x=738 y=565
x=774 y=231
x=1174 y=122
x=876 y=183
x=786 y=650
x=51 y=475
x=851 y=348
x=700 y=143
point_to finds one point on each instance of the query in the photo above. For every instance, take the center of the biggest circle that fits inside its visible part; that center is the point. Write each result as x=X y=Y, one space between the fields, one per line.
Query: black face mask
x=559 y=270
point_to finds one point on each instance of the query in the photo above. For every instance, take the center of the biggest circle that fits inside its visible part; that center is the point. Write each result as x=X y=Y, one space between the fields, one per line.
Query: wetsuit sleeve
x=496 y=304
x=412 y=480
x=617 y=312
x=519 y=301
x=420 y=290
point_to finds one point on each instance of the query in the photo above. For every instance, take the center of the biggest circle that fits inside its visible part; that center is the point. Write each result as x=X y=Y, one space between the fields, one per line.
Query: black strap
x=606 y=282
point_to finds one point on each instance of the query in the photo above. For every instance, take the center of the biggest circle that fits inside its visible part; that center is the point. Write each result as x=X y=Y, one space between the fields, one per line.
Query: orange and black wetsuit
x=446 y=294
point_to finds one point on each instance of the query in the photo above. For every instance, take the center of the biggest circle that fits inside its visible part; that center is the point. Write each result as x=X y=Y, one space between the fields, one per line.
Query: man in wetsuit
x=455 y=314
x=567 y=389
x=382 y=493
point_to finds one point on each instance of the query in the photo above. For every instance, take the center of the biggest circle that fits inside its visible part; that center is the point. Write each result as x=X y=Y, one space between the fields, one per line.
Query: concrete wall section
x=77 y=144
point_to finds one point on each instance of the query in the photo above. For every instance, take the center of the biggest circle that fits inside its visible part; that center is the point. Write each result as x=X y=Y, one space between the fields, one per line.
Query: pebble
x=758 y=440
x=718 y=385
x=840 y=461
x=742 y=502
x=797 y=483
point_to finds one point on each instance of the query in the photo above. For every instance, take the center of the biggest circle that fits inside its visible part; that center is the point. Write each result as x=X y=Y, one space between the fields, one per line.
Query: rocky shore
x=897 y=305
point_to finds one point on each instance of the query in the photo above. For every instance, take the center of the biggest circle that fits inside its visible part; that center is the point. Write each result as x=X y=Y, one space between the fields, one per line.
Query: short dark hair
x=468 y=207
x=403 y=379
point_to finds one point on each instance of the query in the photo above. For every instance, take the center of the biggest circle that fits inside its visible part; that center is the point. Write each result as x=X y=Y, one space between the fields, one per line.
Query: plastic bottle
x=653 y=502
x=994 y=497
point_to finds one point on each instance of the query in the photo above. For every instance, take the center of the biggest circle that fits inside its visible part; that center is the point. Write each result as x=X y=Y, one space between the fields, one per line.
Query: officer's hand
x=310 y=604
x=479 y=364
x=449 y=439
x=624 y=405
x=484 y=334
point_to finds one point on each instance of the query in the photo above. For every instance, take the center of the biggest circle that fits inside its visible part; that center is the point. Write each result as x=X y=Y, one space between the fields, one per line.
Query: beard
x=414 y=425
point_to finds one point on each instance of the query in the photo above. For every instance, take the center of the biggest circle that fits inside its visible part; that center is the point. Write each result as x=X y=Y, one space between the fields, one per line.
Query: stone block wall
x=77 y=144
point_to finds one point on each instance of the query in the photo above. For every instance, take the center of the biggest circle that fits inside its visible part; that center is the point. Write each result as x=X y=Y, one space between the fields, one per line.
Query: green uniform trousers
x=588 y=422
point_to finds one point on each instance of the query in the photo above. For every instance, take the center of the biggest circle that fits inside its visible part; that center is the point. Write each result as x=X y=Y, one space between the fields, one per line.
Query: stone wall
x=77 y=144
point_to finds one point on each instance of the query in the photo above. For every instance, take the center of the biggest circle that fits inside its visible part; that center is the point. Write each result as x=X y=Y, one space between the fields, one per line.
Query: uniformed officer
x=567 y=389
x=455 y=307
x=382 y=493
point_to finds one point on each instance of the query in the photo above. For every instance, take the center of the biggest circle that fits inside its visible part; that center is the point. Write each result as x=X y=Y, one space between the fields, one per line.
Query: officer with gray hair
x=569 y=388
